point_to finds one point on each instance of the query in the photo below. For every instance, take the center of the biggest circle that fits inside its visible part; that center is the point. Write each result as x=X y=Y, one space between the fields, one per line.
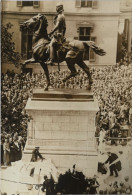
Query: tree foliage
x=8 y=52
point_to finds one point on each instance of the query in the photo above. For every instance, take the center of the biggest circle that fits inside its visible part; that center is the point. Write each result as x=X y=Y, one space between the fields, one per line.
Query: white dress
x=101 y=142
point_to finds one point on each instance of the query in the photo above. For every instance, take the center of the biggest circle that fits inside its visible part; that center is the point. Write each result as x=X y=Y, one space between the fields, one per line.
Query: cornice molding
x=66 y=13
x=126 y=10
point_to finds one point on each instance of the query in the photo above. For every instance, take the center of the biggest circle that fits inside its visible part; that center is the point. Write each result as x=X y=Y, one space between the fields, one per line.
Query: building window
x=86 y=3
x=26 y=44
x=28 y=3
x=85 y=35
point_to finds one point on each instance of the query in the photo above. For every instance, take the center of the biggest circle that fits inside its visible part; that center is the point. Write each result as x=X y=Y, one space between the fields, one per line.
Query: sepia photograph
x=66 y=97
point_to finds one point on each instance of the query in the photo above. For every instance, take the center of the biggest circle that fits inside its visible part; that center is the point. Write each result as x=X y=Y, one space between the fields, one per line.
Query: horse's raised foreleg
x=71 y=65
x=32 y=60
x=86 y=69
x=45 y=68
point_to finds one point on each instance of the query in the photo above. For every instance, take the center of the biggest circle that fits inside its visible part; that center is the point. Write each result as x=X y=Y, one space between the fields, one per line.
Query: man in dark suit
x=48 y=184
x=36 y=154
x=113 y=162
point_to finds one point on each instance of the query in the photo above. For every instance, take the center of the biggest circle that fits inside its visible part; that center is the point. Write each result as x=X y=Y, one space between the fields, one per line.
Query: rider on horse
x=60 y=50
x=58 y=32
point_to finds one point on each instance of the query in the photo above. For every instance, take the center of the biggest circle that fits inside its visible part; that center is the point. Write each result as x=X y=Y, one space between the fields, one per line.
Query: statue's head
x=59 y=7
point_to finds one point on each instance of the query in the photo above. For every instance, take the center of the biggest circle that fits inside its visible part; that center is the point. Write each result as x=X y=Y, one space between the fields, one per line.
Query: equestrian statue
x=51 y=48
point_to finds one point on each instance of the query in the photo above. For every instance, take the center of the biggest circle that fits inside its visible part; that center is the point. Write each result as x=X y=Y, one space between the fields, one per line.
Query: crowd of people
x=123 y=187
x=111 y=87
x=76 y=183
x=12 y=146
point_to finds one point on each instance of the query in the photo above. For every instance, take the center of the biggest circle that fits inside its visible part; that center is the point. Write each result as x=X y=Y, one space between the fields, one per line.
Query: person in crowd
x=109 y=189
x=6 y=149
x=112 y=160
x=48 y=185
x=36 y=154
x=122 y=189
x=2 y=150
x=11 y=149
x=94 y=185
x=115 y=187
x=102 y=141
x=127 y=184
x=20 y=148
x=16 y=148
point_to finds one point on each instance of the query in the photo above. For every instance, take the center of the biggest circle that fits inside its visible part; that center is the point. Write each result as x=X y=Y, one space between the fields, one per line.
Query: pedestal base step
x=62 y=95
x=86 y=163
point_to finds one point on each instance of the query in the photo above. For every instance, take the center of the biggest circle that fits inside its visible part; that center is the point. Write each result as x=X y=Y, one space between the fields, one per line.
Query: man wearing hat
x=112 y=160
x=60 y=29
x=36 y=154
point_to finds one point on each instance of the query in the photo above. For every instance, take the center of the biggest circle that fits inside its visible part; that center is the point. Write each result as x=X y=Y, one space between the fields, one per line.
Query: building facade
x=96 y=20
x=125 y=22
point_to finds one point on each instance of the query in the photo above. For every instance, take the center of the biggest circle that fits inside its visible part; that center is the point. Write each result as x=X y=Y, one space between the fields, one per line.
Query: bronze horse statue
x=71 y=52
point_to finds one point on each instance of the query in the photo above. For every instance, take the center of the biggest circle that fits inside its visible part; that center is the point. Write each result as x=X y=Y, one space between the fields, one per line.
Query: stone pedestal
x=63 y=126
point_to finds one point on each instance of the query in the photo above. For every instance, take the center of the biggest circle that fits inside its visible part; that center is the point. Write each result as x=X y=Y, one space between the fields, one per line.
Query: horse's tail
x=94 y=47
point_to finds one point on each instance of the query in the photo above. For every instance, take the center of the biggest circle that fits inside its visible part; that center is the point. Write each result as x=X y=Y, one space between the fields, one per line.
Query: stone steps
x=63 y=162
x=83 y=151
x=63 y=143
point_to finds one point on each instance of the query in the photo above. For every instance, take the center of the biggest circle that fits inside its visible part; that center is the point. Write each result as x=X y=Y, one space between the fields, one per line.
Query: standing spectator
x=6 y=149
x=11 y=149
x=102 y=141
x=20 y=148
x=16 y=148
x=112 y=160
x=48 y=184
x=2 y=151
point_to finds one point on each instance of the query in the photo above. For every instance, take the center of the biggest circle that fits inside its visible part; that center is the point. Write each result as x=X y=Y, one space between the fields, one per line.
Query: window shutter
x=19 y=3
x=126 y=28
x=77 y=3
x=94 y=4
x=91 y=52
x=36 y=3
